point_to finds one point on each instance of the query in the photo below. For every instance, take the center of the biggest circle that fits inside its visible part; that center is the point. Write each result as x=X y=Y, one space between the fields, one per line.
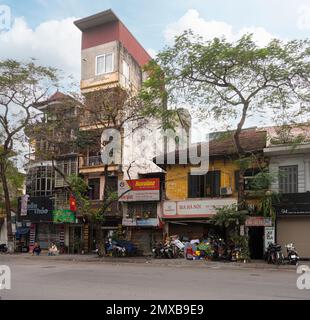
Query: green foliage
x=15 y=181
x=229 y=217
x=243 y=243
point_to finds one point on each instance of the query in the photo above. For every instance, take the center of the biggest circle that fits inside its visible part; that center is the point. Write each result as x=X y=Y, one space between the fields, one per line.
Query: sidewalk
x=255 y=264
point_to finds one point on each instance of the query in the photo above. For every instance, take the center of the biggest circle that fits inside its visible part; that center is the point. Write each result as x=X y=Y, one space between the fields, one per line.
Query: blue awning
x=22 y=231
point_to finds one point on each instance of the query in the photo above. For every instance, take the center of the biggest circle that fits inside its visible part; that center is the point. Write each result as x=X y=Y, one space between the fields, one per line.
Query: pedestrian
x=53 y=251
x=36 y=249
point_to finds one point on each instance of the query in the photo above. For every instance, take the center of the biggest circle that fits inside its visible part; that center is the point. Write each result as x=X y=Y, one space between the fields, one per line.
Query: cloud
x=151 y=52
x=210 y=29
x=54 y=43
x=303 y=20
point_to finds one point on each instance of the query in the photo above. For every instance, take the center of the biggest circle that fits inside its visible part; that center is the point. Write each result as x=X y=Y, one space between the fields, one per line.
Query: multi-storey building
x=289 y=164
x=45 y=215
x=191 y=200
x=111 y=61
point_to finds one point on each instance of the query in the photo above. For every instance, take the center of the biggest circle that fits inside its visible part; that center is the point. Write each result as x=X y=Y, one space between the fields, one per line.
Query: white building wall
x=303 y=163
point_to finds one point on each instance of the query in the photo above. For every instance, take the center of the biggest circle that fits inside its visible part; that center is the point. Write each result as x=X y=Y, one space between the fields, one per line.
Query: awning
x=22 y=231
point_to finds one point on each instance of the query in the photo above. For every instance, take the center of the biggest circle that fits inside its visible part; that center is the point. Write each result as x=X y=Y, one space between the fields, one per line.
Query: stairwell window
x=104 y=64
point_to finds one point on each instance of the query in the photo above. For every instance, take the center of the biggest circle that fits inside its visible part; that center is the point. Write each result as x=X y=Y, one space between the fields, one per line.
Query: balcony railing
x=92 y=161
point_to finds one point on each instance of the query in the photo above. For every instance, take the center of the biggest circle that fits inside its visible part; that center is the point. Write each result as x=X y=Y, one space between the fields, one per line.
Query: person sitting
x=53 y=251
x=36 y=249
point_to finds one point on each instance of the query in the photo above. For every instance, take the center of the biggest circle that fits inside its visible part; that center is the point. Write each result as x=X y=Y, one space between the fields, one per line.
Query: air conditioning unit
x=226 y=191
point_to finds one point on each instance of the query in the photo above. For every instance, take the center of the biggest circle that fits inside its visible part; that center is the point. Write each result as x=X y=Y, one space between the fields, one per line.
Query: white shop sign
x=269 y=236
x=195 y=207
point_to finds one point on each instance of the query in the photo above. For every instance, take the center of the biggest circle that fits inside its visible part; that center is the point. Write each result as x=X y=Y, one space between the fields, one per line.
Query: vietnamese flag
x=72 y=203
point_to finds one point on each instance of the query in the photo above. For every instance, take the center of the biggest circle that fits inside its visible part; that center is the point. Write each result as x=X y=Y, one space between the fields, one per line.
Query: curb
x=166 y=263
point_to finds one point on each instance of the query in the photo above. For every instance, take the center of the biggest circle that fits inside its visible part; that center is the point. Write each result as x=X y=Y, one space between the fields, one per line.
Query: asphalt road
x=39 y=279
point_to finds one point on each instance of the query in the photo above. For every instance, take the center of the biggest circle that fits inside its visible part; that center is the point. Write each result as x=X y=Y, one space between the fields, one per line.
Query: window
x=94 y=186
x=207 y=185
x=126 y=74
x=288 y=179
x=104 y=63
x=40 y=182
x=142 y=210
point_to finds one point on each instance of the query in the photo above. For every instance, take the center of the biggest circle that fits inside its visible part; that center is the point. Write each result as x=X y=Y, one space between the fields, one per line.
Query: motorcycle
x=3 y=248
x=157 y=250
x=178 y=249
x=292 y=254
x=274 y=254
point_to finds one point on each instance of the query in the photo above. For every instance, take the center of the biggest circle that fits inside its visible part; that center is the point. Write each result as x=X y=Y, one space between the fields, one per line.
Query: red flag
x=72 y=203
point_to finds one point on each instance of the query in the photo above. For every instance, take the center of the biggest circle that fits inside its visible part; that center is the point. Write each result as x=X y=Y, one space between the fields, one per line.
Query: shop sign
x=40 y=209
x=293 y=210
x=195 y=207
x=139 y=190
x=294 y=204
x=63 y=216
x=258 y=222
x=153 y=222
x=269 y=236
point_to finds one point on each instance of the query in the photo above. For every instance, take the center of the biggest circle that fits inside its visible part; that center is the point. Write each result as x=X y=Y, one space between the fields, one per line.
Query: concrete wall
x=3 y=233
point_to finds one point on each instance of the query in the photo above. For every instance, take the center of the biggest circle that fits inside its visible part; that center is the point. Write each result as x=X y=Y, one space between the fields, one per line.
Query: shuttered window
x=288 y=179
x=202 y=186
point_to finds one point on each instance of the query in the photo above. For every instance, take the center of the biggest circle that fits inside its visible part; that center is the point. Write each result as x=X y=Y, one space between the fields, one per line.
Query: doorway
x=256 y=242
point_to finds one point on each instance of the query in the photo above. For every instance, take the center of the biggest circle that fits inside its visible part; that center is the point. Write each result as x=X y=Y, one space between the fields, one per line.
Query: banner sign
x=153 y=222
x=258 y=222
x=269 y=236
x=63 y=216
x=40 y=209
x=139 y=190
x=293 y=204
x=192 y=208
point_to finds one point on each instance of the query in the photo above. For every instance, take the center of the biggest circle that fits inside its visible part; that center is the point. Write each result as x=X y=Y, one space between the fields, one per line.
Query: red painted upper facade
x=106 y=27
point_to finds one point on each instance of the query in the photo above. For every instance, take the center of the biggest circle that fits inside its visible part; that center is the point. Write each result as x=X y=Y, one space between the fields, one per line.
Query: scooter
x=3 y=248
x=274 y=254
x=292 y=254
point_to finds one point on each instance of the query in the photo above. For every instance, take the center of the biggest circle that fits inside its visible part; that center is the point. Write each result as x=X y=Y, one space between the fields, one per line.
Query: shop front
x=261 y=233
x=42 y=224
x=293 y=222
x=141 y=209
x=190 y=218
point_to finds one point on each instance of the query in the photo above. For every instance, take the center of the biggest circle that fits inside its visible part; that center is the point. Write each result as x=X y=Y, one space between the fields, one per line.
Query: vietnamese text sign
x=194 y=207
x=139 y=190
x=258 y=222
x=40 y=209
x=63 y=216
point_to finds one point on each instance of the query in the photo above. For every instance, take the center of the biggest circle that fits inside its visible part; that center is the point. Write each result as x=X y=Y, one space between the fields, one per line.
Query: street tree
x=233 y=81
x=22 y=85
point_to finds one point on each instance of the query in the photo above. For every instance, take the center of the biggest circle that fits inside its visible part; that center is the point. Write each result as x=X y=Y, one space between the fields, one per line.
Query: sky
x=44 y=29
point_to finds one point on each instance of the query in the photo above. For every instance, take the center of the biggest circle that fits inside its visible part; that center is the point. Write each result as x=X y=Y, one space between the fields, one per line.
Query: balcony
x=93 y=161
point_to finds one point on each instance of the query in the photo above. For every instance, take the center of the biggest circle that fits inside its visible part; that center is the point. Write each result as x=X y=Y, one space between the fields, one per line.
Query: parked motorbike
x=158 y=250
x=274 y=254
x=3 y=248
x=292 y=254
x=178 y=249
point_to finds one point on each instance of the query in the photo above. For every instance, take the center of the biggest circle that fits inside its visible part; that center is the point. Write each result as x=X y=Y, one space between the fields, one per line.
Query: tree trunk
x=7 y=208
x=99 y=233
x=99 y=239
x=241 y=195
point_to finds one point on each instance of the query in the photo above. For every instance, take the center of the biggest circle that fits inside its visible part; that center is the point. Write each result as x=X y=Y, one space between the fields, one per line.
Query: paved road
x=48 y=279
